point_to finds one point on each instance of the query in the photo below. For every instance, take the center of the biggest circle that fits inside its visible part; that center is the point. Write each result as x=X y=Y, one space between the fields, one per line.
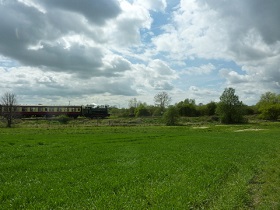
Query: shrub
x=171 y=116
x=63 y=119
x=269 y=106
x=142 y=111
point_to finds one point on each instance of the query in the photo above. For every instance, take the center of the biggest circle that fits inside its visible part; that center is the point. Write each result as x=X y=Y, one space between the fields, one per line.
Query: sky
x=60 y=52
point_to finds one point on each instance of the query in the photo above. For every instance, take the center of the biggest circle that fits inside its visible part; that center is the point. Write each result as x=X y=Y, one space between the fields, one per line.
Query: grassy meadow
x=51 y=166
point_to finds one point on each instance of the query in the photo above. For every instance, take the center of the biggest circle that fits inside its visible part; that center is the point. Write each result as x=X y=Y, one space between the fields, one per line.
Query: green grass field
x=140 y=167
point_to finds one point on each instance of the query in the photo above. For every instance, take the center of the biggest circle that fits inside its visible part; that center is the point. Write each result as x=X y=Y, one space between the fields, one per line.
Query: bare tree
x=132 y=104
x=8 y=101
x=162 y=100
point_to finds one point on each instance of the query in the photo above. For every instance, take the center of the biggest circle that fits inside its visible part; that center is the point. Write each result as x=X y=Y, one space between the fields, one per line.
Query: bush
x=63 y=119
x=171 y=116
x=269 y=106
x=157 y=112
x=142 y=111
x=270 y=112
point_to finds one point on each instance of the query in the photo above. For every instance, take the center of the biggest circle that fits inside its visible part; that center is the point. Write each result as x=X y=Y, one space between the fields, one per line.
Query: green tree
x=8 y=101
x=211 y=108
x=269 y=106
x=142 y=110
x=187 y=108
x=230 y=109
x=171 y=116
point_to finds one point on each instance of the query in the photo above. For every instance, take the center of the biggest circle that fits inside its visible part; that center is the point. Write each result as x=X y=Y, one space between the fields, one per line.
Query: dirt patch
x=250 y=129
x=202 y=127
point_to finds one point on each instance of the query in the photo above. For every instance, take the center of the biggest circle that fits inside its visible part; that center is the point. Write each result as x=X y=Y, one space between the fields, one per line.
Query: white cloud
x=161 y=69
x=156 y=5
x=149 y=79
x=203 y=69
x=233 y=77
x=124 y=31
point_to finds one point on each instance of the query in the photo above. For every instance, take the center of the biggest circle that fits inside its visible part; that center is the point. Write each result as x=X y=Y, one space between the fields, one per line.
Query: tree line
x=228 y=110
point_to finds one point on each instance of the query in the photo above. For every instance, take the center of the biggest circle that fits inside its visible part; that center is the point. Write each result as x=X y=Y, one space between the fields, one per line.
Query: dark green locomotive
x=95 y=111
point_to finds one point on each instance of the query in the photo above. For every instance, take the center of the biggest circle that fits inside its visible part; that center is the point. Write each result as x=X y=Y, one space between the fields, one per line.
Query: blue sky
x=108 y=52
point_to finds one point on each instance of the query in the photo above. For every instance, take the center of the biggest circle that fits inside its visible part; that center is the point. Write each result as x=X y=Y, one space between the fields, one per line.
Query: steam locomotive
x=25 y=111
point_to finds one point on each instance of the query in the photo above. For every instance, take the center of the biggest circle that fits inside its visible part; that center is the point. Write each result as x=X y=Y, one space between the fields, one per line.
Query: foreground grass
x=139 y=167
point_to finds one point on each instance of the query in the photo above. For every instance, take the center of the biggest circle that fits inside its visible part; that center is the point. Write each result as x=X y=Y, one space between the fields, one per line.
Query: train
x=27 y=111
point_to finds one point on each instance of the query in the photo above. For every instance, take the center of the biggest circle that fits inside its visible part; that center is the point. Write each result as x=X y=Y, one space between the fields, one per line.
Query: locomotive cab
x=95 y=111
